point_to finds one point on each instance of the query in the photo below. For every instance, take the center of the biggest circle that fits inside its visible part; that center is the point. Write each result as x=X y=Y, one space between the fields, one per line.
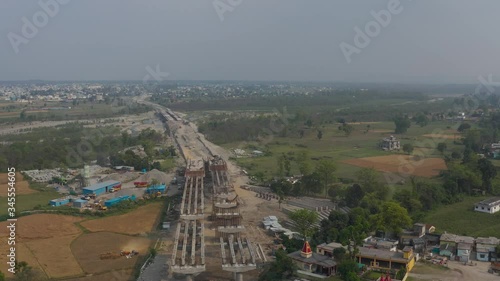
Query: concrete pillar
x=238 y=276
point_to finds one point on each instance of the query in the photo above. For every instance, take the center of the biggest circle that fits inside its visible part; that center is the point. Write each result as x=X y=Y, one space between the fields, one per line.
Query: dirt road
x=456 y=271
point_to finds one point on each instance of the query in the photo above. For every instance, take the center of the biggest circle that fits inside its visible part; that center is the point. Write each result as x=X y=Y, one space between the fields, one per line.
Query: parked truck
x=141 y=184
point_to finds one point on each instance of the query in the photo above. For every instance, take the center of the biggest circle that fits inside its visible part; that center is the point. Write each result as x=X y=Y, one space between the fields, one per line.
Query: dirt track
x=456 y=272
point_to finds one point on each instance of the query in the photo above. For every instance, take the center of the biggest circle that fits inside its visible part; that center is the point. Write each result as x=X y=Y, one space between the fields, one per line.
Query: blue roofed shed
x=156 y=188
x=117 y=200
x=100 y=188
x=79 y=203
x=61 y=201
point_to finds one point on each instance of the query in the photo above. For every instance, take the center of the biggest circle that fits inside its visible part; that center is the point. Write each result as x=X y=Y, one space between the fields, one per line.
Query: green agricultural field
x=336 y=146
x=461 y=219
x=29 y=201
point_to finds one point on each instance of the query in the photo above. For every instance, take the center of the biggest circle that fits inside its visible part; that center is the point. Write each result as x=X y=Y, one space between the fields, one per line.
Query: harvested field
x=55 y=257
x=22 y=254
x=22 y=186
x=42 y=226
x=402 y=164
x=43 y=241
x=115 y=275
x=88 y=247
x=136 y=222
x=443 y=136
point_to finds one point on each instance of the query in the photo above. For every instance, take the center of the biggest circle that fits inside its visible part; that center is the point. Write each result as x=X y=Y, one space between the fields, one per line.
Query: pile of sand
x=125 y=177
x=154 y=174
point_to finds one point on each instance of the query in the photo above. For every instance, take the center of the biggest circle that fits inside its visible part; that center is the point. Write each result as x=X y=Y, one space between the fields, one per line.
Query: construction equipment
x=128 y=254
x=103 y=208
x=141 y=184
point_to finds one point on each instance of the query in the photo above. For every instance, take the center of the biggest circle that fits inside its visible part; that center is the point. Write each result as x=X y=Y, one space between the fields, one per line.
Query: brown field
x=136 y=222
x=402 y=164
x=116 y=275
x=22 y=186
x=88 y=247
x=43 y=226
x=23 y=253
x=43 y=241
x=55 y=257
x=443 y=136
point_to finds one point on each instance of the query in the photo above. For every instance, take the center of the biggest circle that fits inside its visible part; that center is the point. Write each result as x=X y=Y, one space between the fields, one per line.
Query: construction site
x=219 y=234
x=237 y=253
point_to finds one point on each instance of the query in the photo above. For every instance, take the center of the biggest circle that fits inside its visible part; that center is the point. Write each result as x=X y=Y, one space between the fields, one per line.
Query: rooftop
x=101 y=185
x=330 y=246
x=494 y=201
x=487 y=240
x=449 y=237
x=316 y=259
x=382 y=254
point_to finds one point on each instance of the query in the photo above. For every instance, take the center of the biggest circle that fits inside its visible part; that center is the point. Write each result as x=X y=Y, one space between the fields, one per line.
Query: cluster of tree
x=226 y=128
x=317 y=181
x=70 y=145
x=402 y=123
x=282 y=268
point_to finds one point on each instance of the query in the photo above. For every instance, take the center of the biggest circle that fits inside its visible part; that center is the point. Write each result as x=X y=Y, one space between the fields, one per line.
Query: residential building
x=327 y=249
x=380 y=243
x=486 y=248
x=464 y=251
x=390 y=143
x=490 y=205
x=387 y=260
x=455 y=246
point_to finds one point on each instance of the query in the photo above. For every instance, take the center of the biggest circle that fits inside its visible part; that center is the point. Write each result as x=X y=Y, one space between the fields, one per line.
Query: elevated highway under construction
x=207 y=238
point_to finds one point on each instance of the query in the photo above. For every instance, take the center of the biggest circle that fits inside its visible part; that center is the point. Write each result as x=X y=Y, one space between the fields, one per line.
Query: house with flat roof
x=490 y=205
x=380 y=243
x=390 y=143
x=387 y=260
x=464 y=251
x=452 y=245
x=485 y=248
x=327 y=249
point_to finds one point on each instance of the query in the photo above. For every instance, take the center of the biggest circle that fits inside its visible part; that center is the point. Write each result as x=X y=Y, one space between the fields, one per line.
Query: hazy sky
x=427 y=41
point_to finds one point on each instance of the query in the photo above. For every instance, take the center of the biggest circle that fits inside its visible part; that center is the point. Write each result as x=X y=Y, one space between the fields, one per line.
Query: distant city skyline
x=390 y=41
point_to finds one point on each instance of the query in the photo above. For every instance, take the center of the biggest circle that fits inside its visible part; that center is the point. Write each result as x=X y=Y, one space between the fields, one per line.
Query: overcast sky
x=426 y=41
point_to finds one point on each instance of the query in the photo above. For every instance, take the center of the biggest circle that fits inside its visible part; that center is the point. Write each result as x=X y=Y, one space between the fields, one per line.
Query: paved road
x=156 y=271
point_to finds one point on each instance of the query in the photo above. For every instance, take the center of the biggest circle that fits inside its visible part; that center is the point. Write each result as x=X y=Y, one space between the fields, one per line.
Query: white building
x=490 y=205
x=390 y=143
